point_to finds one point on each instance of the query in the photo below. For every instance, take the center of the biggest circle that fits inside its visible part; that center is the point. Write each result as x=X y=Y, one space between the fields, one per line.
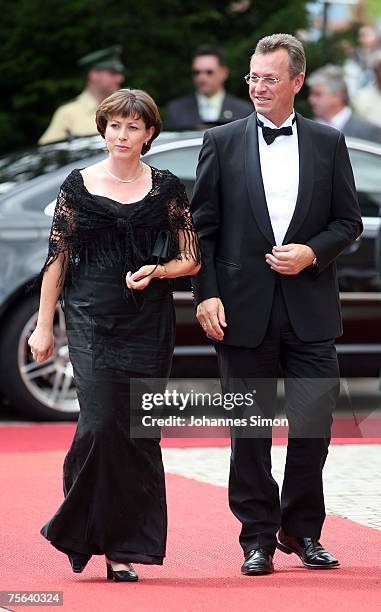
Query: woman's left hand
x=132 y=279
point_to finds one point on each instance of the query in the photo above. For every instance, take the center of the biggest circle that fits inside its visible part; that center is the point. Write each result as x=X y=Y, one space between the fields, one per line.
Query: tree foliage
x=41 y=41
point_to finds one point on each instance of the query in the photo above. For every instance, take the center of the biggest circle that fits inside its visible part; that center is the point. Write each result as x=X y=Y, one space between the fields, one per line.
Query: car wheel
x=41 y=391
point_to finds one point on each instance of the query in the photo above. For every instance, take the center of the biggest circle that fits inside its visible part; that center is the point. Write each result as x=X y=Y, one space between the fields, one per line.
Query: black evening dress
x=114 y=487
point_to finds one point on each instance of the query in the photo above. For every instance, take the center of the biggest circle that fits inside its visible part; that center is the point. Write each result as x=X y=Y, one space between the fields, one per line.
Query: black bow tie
x=269 y=134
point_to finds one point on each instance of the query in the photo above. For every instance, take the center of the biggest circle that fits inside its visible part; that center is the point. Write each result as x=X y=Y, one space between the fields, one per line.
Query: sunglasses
x=209 y=72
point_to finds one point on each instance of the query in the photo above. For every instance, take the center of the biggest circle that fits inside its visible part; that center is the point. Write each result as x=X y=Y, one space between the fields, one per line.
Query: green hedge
x=41 y=42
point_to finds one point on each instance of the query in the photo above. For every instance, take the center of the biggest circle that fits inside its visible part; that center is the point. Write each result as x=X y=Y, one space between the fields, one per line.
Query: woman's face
x=125 y=136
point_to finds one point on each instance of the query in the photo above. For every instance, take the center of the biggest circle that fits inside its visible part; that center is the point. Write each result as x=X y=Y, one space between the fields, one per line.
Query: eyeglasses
x=209 y=72
x=269 y=81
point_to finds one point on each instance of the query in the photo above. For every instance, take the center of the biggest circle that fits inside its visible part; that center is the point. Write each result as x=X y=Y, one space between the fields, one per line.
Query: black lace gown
x=114 y=487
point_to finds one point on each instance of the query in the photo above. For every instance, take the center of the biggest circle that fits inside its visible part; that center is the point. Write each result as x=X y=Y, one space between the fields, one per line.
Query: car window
x=19 y=167
x=367 y=172
x=181 y=162
x=36 y=194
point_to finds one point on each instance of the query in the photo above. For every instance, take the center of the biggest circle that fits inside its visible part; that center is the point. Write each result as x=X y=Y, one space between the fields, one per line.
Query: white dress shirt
x=340 y=119
x=280 y=174
x=209 y=107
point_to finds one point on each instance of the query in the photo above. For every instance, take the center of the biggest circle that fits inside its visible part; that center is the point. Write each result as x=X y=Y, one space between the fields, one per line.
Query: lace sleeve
x=61 y=232
x=181 y=224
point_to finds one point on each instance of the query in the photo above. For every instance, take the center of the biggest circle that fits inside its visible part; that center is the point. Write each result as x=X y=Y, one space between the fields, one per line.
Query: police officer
x=104 y=75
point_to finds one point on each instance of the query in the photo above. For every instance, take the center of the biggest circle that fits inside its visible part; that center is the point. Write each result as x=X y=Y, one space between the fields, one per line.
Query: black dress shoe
x=309 y=550
x=78 y=561
x=257 y=563
x=129 y=575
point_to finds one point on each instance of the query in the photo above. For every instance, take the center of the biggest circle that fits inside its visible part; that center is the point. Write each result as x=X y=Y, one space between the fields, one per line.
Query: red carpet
x=56 y=436
x=201 y=571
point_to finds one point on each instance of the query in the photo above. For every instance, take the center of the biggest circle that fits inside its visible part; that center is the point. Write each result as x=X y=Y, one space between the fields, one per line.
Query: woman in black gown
x=110 y=223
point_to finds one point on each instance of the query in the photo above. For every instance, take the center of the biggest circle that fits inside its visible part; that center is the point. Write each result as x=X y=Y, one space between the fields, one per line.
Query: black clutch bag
x=163 y=247
x=163 y=250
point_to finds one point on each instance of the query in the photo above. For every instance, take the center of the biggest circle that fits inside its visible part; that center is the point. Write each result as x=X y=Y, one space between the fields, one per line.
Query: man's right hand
x=211 y=316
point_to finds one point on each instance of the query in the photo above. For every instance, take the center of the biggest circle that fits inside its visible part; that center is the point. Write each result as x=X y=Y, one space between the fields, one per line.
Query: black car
x=29 y=184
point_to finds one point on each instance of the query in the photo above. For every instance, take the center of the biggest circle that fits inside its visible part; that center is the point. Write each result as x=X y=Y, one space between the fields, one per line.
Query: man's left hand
x=291 y=258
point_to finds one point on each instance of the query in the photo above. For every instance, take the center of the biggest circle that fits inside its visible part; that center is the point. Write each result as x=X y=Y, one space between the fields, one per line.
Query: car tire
x=28 y=393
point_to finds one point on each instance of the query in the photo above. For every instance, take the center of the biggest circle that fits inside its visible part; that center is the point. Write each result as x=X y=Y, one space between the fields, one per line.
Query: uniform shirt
x=76 y=118
x=280 y=174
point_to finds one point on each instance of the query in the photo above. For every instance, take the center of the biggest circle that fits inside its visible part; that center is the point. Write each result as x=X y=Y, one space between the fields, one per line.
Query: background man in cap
x=210 y=104
x=104 y=75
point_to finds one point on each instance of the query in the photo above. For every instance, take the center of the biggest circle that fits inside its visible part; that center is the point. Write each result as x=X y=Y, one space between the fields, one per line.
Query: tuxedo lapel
x=306 y=178
x=254 y=179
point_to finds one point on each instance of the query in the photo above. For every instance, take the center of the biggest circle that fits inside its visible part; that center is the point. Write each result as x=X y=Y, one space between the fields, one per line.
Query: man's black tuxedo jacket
x=231 y=216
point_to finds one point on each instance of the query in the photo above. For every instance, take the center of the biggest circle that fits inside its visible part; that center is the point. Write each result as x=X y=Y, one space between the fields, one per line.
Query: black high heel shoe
x=78 y=561
x=129 y=575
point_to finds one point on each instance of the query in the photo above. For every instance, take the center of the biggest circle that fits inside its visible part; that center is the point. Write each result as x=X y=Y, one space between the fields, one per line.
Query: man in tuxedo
x=274 y=204
x=210 y=104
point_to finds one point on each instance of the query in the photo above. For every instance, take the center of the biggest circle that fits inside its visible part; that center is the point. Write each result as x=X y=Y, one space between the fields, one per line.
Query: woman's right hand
x=41 y=343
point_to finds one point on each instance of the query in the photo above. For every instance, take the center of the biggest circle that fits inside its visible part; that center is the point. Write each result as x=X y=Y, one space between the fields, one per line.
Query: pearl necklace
x=125 y=180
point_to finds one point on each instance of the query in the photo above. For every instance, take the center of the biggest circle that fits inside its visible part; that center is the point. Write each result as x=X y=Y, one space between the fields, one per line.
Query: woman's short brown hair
x=130 y=103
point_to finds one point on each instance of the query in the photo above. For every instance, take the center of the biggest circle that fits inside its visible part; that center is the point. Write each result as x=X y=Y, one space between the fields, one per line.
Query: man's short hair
x=331 y=78
x=293 y=46
x=209 y=50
